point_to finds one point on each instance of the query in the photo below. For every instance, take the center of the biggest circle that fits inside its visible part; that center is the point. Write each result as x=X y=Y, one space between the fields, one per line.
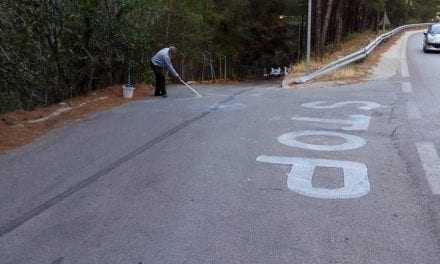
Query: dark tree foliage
x=335 y=19
x=53 y=49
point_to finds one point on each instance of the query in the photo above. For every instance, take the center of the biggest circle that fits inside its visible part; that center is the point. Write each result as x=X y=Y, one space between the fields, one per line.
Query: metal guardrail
x=356 y=56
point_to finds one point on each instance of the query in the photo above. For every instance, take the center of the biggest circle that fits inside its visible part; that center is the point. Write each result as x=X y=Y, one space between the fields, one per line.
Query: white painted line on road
x=407 y=87
x=319 y=105
x=404 y=71
x=356 y=122
x=431 y=164
x=413 y=111
x=404 y=47
x=215 y=94
x=356 y=183
x=351 y=142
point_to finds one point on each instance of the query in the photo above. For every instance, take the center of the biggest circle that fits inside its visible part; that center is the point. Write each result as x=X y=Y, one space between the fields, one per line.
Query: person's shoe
x=164 y=96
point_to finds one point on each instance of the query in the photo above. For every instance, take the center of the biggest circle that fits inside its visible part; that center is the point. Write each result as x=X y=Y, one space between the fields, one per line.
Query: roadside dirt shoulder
x=383 y=63
x=19 y=128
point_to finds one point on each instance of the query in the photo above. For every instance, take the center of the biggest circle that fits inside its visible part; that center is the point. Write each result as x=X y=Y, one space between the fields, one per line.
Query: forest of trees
x=53 y=49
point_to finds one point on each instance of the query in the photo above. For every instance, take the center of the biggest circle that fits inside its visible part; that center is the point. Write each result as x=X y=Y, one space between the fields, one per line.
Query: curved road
x=249 y=173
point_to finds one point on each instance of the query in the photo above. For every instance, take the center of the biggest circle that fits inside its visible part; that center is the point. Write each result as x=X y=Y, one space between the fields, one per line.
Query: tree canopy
x=52 y=49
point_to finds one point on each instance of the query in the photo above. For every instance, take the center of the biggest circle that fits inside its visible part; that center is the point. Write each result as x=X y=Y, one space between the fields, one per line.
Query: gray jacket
x=162 y=59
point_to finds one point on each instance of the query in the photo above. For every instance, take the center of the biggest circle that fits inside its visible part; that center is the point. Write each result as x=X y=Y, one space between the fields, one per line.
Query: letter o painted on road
x=351 y=142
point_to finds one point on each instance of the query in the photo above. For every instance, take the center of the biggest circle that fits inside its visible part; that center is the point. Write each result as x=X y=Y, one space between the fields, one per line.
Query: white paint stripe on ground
x=431 y=164
x=407 y=87
x=215 y=94
x=366 y=105
x=54 y=114
x=404 y=47
x=404 y=71
x=351 y=141
x=413 y=111
x=356 y=122
x=356 y=183
x=66 y=109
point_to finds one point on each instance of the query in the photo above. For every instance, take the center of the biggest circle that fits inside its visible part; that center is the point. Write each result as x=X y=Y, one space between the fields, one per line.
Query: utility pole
x=309 y=34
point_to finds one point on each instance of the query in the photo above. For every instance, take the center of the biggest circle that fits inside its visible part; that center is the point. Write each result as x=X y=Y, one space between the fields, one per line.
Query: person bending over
x=160 y=63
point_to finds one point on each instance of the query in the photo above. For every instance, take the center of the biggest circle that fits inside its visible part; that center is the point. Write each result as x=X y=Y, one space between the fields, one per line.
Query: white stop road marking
x=351 y=142
x=356 y=122
x=356 y=183
x=366 y=105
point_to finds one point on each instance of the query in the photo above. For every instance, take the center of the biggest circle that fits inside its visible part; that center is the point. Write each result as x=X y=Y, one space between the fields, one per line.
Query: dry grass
x=346 y=72
x=16 y=130
x=355 y=72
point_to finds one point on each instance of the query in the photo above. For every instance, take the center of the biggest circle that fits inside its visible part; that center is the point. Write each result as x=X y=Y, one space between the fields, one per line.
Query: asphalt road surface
x=250 y=173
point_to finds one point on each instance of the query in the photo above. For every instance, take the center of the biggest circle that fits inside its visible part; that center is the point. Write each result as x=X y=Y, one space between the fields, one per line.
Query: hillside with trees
x=52 y=50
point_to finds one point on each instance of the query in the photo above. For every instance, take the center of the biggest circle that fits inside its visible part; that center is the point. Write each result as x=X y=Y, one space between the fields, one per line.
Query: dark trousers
x=160 y=80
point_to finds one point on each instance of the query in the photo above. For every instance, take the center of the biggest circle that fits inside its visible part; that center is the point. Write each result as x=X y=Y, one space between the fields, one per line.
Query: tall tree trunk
x=327 y=21
x=339 y=21
x=318 y=27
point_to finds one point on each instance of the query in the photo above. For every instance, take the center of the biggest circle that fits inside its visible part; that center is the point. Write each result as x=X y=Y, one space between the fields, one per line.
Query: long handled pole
x=189 y=87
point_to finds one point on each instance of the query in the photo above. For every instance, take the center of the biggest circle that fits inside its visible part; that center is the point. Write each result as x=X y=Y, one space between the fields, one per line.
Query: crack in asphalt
x=17 y=222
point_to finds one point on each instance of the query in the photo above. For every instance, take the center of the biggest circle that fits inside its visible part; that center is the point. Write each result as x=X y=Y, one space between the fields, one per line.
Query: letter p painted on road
x=356 y=183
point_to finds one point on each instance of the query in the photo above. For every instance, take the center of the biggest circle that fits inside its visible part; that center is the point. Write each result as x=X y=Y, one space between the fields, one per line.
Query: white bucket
x=128 y=91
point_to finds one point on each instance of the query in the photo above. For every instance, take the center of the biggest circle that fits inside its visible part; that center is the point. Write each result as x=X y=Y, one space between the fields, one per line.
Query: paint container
x=128 y=91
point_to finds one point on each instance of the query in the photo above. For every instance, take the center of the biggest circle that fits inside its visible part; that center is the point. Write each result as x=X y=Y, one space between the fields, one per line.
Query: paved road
x=250 y=173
